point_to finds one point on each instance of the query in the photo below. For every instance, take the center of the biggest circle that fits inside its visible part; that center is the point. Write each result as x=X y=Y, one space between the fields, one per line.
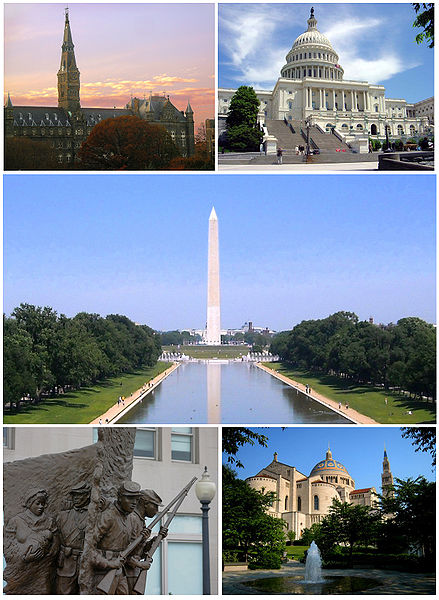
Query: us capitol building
x=304 y=500
x=68 y=125
x=312 y=85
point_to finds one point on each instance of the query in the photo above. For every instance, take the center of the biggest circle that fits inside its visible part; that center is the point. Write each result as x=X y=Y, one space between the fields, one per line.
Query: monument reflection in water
x=313 y=565
x=227 y=392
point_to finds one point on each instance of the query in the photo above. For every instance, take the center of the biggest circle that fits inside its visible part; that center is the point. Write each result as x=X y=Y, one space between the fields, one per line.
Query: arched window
x=299 y=503
x=344 y=126
x=400 y=129
x=359 y=126
x=373 y=129
x=286 y=502
x=316 y=503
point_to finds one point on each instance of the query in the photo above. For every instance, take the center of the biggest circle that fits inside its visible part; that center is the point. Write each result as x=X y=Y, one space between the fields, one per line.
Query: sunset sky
x=120 y=49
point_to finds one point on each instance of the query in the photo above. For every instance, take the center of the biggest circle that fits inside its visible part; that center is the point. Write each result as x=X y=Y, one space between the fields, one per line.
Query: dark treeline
x=175 y=338
x=43 y=349
x=400 y=356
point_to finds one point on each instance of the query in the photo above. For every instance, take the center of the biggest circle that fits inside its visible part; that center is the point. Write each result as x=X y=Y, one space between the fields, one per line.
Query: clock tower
x=68 y=74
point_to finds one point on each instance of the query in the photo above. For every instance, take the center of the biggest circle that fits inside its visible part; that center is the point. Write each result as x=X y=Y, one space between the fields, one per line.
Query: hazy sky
x=120 y=49
x=375 y=43
x=292 y=247
x=359 y=449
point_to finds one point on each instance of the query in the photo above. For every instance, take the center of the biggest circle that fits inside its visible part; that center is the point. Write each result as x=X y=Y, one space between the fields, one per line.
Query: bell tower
x=386 y=478
x=68 y=74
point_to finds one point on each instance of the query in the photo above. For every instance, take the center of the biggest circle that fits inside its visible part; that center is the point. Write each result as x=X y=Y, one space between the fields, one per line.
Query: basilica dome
x=329 y=466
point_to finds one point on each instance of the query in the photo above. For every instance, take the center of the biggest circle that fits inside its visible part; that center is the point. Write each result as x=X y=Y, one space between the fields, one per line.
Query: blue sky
x=292 y=247
x=359 y=449
x=375 y=43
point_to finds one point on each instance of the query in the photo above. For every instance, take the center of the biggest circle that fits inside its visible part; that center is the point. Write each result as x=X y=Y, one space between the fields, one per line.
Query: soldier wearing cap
x=115 y=532
x=147 y=506
x=71 y=526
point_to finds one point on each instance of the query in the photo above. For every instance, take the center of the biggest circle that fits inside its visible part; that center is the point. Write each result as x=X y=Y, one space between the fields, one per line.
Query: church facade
x=303 y=500
x=311 y=85
x=68 y=125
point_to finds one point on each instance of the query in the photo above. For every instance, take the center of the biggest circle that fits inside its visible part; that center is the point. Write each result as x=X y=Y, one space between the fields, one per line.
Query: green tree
x=425 y=19
x=243 y=133
x=424 y=438
x=235 y=437
x=412 y=510
x=350 y=524
x=247 y=528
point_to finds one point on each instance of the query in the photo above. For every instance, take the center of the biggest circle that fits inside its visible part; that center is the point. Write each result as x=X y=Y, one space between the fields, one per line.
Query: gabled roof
x=360 y=491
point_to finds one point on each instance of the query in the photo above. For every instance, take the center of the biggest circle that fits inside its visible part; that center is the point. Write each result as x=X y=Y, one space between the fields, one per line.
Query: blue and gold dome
x=329 y=466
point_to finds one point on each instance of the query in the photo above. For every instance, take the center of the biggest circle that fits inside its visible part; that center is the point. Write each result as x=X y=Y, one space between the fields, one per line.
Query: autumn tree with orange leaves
x=127 y=143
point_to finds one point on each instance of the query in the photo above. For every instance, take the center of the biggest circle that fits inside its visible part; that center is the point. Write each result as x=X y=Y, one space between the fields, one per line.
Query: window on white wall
x=145 y=445
x=182 y=444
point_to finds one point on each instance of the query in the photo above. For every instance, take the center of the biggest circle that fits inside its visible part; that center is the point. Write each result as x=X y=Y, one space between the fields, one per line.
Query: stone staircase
x=326 y=142
x=286 y=139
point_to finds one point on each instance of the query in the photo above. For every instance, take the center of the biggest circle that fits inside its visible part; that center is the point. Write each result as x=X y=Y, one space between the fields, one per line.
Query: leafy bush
x=265 y=558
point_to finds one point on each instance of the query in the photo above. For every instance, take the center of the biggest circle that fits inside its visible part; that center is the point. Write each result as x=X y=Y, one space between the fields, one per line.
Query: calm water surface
x=227 y=393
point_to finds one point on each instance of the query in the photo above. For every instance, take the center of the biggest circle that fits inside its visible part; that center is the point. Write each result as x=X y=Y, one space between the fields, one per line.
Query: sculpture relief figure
x=147 y=506
x=115 y=532
x=71 y=527
x=30 y=546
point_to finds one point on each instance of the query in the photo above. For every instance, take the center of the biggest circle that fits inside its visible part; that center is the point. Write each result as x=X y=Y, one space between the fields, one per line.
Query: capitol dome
x=312 y=55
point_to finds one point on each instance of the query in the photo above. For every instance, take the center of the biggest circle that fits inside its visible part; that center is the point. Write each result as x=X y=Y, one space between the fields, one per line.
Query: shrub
x=265 y=558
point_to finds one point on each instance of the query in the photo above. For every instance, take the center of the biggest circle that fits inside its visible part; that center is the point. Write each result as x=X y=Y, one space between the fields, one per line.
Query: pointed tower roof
x=67 y=33
x=213 y=216
x=328 y=453
x=8 y=102
x=189 y=108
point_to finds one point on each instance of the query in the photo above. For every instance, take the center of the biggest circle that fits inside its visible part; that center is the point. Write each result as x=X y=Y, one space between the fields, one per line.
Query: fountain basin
x=296 y=584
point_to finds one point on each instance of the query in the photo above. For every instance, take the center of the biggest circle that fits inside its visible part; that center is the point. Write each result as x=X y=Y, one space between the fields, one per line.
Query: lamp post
x=205 y=490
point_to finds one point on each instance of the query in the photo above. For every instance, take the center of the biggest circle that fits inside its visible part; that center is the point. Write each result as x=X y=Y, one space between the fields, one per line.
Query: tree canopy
x=401 y=356
x=236 y=437
x=424 y=19
x=43 y=349
x=127 y=143
x=424 y=438
x=243 y=133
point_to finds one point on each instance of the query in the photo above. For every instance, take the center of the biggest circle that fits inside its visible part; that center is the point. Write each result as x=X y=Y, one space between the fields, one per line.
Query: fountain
x=313 y=565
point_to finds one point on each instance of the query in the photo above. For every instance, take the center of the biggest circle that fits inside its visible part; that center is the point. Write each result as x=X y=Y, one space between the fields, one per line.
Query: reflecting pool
x=337 y=584
x=227 y=392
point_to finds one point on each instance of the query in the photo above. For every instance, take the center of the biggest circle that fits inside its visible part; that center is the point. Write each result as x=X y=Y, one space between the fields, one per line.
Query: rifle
x=108 y=585
x=139 y=587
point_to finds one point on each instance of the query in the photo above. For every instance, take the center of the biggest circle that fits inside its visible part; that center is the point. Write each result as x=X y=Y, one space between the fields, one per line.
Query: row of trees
x=176 y=338
x=401 y=356
x=43 y=349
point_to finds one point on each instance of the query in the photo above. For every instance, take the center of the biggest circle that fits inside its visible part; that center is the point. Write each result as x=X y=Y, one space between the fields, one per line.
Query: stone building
x=165 y=459
x=68 y=125
x=311 y=85
x=303 y=500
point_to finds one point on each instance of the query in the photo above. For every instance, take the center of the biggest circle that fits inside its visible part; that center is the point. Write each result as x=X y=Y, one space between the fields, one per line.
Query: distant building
x=66 y=126
x=210 y=136
x=165 y=459
x=304 y=500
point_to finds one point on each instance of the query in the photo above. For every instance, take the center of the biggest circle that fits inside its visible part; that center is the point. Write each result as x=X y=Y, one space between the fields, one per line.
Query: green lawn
x=366 y=399
x=209 y=351
x=296 y=552
x=86 y=404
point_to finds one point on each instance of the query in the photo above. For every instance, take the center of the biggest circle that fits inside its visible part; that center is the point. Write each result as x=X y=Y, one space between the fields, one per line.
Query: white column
x=333 y=99
x=324 y=98
x=352 y=100
x=305 y=98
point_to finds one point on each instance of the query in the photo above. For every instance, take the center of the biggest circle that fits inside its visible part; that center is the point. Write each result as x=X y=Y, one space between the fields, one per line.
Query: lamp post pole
x=205 y=490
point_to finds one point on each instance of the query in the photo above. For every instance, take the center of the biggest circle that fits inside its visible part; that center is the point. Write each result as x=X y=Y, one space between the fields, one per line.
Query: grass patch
x=296 y=552
x=366 y=399
x=84 y=405
x=209 y=351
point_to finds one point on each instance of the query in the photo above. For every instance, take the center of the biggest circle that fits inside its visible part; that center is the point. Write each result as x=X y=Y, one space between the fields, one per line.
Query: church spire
x=386 y=477
x=68 y=74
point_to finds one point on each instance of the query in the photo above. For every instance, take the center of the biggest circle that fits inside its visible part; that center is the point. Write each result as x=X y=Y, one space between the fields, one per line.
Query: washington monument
x=213 y=329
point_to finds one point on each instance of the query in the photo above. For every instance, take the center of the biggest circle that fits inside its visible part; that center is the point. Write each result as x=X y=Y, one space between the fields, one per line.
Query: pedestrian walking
x=279 y=155
x=296 y=149
x=385 y=400
x=339 y=405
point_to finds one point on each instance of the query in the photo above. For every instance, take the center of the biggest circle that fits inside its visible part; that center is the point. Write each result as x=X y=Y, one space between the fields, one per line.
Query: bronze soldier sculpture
x=147 y=506
x=115 y=532
x=71 y=527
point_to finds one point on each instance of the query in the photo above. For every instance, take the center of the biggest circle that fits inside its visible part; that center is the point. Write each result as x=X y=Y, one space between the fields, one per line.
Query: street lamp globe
x=205 y=488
